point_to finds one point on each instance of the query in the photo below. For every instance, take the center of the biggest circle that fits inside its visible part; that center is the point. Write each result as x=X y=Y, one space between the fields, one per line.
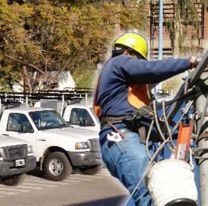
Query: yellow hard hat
x=134 y=41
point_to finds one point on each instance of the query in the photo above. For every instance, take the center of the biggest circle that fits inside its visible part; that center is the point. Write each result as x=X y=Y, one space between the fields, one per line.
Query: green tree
x=12 y=41
x=42 y=35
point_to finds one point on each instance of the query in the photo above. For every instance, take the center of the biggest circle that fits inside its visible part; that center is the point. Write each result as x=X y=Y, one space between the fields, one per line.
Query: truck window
x=81 y=117
x=19 y=123
x=47 y=119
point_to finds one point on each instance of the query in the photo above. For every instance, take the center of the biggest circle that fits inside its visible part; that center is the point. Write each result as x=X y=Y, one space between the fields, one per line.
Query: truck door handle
x=6 y=135
x=42 y=140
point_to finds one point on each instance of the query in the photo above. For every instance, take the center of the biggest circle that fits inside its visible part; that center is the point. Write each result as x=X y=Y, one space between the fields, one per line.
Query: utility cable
x=158 y=125
x=148 y=138
x=162 y=145
x=167 y=124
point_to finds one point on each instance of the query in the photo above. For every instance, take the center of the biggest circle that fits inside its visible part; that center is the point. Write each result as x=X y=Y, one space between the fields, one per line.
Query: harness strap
x=111 y=119
x=143 y=134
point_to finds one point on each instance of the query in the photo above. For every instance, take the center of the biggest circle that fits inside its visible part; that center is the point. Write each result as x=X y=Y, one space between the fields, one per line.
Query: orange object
x=138 y=95
x=184 y=141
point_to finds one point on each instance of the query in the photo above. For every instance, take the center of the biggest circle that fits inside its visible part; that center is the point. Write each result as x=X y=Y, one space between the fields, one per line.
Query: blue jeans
x=127 y=160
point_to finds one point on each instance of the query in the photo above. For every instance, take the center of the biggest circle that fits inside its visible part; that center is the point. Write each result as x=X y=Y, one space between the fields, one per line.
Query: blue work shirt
x=124 y=70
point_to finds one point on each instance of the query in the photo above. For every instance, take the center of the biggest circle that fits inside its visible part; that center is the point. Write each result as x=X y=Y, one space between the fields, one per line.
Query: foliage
x=39 y=36
x=172 y=85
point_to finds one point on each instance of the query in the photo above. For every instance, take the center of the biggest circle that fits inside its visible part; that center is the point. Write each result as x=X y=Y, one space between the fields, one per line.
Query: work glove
x=194 y=61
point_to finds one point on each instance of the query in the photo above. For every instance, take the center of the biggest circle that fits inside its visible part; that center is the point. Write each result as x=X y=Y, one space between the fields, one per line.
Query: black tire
x=13 y=180
x=56 y=166
x=91 y=170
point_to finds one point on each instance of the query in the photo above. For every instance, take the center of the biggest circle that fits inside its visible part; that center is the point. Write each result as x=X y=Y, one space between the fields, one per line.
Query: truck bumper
x=9 y=168
x=85 y=159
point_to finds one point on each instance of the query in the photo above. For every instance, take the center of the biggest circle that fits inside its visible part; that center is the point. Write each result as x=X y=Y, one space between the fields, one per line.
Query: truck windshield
x=47 y=119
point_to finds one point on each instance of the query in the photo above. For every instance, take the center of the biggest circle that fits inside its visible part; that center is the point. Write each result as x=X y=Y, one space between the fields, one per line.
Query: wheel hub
x=56 y=167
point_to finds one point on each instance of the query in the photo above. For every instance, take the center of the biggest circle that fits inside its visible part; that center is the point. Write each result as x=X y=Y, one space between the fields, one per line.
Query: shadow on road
x=114 y=201
x=37 y=173
x=40 y=174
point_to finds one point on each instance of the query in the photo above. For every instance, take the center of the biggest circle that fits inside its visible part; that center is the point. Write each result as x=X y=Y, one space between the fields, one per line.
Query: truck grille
x=94 y=145
x=14 y=152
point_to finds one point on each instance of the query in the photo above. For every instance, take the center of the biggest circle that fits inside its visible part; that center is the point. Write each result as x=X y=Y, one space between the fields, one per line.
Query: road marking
x=8 y=193
x=12 y=190
x=31 y=187
x=78 y=179
x=37 y=184
x=47 y=182
x=32 y=183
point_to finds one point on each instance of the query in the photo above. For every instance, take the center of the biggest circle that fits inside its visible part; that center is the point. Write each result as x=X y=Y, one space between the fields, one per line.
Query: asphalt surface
x=77 y=190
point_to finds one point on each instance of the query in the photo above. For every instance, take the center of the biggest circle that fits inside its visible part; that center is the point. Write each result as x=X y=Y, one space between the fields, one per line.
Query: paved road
x=77 y=190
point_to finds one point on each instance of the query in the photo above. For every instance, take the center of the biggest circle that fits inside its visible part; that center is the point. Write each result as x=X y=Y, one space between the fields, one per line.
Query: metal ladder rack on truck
x=58 y=147
x=72 y=95
x=173 y=181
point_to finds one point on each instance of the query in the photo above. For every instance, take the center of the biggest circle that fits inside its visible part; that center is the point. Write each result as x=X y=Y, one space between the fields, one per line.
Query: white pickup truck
x=16 y=158
x=58 y=148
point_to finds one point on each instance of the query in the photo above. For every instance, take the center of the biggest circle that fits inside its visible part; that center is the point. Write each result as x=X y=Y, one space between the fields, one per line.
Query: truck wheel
x=13 y=180
x=56 y=166
x=91 y=170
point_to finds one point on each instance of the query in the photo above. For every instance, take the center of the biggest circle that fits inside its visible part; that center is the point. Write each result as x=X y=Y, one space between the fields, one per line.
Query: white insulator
x=170 y=180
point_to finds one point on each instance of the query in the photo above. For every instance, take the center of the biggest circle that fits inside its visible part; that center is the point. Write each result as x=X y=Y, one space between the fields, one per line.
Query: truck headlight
x=29 y=149
x=82 y=145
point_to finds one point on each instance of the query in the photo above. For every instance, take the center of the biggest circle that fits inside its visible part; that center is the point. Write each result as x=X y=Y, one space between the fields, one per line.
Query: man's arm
x=142 y=71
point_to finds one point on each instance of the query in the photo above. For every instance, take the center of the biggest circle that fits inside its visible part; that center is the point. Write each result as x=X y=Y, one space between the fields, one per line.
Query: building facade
x=185 y=29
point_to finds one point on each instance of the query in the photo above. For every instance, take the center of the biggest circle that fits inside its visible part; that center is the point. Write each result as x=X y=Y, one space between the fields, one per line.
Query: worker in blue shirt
x=122 y=90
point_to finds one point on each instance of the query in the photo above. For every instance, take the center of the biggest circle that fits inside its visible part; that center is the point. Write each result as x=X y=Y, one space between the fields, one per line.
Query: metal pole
x=201 y=103
x=160 y=41
x=151 y=29
x=62 y=104
x=26 y=101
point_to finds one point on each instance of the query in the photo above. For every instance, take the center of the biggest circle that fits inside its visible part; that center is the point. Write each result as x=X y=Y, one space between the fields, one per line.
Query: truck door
x=20 y=127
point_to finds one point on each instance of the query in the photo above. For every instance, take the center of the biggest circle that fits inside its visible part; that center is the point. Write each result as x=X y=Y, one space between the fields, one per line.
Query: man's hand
x=194 y=61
